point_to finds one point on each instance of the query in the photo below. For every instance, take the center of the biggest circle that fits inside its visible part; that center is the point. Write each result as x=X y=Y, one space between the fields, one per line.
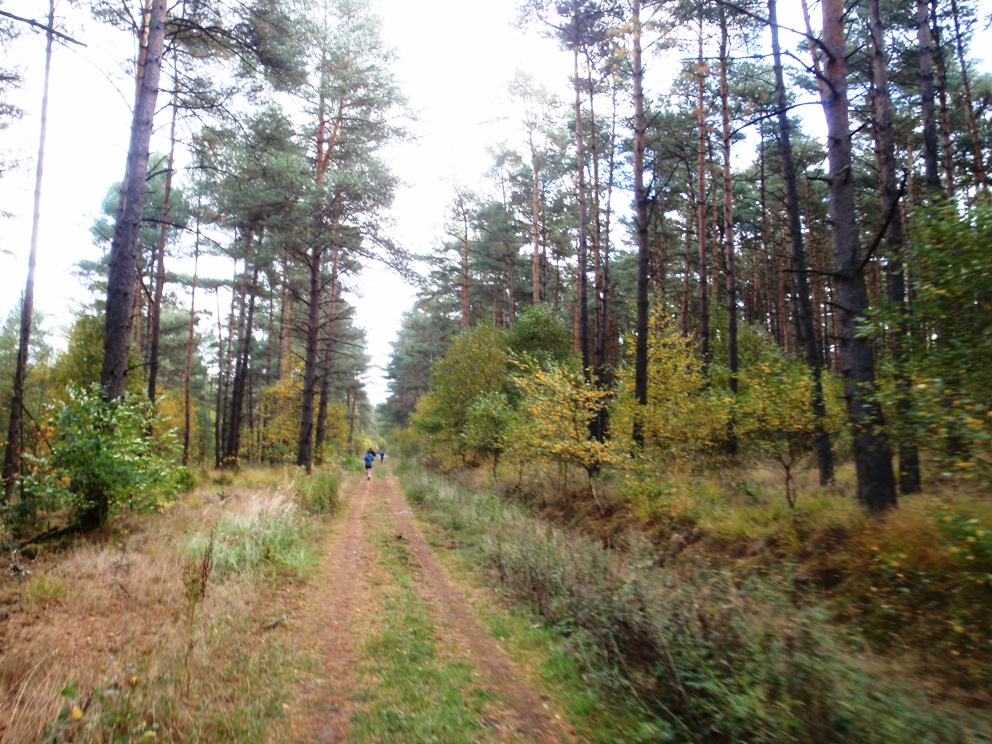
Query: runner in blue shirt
x=369 y=459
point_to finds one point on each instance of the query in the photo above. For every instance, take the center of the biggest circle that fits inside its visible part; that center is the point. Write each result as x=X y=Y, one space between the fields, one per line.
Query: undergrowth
x=706 y=652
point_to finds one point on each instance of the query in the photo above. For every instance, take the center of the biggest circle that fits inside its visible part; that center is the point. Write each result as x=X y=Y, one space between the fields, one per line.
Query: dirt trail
x=329 y=616
x=337 y=613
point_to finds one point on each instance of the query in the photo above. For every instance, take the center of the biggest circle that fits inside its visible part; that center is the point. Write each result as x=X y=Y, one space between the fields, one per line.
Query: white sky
x=455 y=59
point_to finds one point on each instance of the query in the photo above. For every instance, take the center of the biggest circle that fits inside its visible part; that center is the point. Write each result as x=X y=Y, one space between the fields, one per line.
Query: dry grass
x=108 y=616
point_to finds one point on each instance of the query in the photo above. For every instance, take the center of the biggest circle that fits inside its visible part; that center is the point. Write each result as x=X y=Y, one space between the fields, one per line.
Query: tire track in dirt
x=525 y=716
x=337 y=599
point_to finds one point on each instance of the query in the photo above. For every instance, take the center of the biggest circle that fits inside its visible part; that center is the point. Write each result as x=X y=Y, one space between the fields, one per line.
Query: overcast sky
x=455 y=59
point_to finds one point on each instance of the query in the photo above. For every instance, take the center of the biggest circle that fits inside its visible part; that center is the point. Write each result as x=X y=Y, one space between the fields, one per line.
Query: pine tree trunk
x=189 y=345
x=873 y=460
x=704 y=308
x=535 y=222
x=581 y=311
x=305 y=443
x=12 y=453
x=931 y=174
x=325 y=373
x=466 y=306
x=123 y=268
x=976 y=138
x=597 y=234
x=728 y=232
x=909 y=460
x=641 y=212
x=163 y=234
x=800 y=284
x=241 y=375
x=945 y=114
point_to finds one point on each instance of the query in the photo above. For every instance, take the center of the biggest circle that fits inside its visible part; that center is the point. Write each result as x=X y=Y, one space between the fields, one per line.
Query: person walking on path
x=369 y=459
x=382 y=455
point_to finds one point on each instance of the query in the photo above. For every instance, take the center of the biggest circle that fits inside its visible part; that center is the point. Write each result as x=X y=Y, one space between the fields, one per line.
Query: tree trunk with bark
x=304 y=451
x=873 y=460
x=583 y=319
x=12 y=453
x=240 y=383
x=704 y=308
x=800 y=283
x=163 y=235
x=909 y=459
x=728 y=230
x=641 y=212
x=325 y=372
x=189 y=345
x=931 y=174
x=123 y=266
x=973 y=130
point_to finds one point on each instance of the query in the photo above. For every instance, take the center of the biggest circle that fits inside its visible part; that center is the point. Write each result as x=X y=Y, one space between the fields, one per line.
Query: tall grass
x=275 y=540
x=709 y=654
x=317 y=493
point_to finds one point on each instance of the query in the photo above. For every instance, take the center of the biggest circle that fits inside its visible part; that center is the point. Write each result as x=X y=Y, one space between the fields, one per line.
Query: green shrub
x=317 y=493
x=185 y=479
x=100 y=458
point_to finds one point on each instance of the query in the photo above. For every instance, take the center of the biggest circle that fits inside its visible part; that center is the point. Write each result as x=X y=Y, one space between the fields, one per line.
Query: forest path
x=400 y=654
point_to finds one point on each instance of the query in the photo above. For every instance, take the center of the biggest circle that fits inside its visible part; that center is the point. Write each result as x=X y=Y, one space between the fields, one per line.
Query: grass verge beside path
x=148 y=639
x=686 y=653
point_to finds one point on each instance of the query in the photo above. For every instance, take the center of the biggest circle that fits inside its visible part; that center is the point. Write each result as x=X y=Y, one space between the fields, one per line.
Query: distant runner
x=382 y=455
x=369 y=459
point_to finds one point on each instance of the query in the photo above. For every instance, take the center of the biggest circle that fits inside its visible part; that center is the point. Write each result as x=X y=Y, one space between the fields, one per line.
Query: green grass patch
x=280 y=542
x=317 y=493
x=413 y=691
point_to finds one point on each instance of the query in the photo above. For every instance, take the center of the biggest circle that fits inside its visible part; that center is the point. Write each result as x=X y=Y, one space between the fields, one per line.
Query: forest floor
x=359 y=629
